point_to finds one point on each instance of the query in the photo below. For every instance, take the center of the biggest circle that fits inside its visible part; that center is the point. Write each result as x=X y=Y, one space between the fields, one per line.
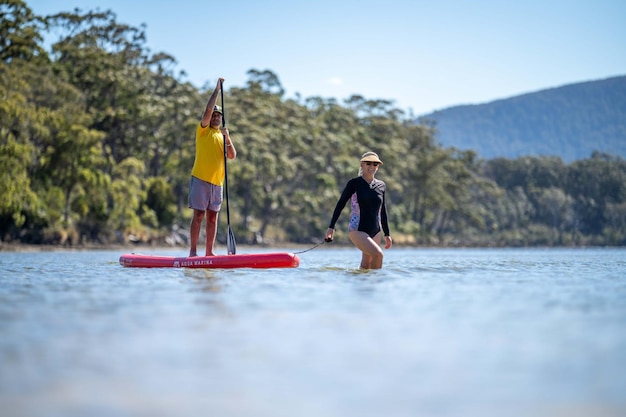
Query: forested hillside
x=97 y=145
x=570 y=122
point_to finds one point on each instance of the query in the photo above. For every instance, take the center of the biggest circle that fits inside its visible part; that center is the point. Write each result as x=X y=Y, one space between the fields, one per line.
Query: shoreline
x=291 y=247
x=22 y=247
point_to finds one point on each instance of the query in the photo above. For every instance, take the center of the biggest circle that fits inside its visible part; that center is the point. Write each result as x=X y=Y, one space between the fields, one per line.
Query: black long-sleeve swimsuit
x=368 y=213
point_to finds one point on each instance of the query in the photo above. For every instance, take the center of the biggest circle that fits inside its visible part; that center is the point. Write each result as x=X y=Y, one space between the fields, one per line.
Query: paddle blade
x=231 y=245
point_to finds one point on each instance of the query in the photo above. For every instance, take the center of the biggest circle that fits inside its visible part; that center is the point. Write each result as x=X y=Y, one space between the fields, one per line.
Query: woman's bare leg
x=372 y=252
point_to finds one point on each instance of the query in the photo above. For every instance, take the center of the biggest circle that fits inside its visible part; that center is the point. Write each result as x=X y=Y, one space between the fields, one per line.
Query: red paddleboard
x=246 y=260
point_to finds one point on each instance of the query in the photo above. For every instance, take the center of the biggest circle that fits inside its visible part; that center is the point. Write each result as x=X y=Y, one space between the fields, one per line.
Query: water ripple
x=436 y=332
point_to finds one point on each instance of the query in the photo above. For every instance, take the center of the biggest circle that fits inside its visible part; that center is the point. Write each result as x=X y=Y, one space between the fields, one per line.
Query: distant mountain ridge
x=571 y=122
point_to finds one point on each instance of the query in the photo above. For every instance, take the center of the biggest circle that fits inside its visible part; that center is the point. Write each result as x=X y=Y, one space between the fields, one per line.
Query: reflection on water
x=434 y=333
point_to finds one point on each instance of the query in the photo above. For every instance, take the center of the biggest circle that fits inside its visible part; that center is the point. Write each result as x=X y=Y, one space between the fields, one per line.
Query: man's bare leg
x=211 y=231
x=194 y=231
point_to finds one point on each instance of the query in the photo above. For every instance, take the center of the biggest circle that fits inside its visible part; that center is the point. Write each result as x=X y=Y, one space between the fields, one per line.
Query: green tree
x=20 y=36
x=17 y=120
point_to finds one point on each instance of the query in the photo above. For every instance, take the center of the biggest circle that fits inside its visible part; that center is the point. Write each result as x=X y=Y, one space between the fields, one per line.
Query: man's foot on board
x=192 y=254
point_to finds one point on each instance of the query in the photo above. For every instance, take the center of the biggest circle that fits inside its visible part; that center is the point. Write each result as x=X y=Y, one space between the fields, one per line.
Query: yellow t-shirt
x=209 y=163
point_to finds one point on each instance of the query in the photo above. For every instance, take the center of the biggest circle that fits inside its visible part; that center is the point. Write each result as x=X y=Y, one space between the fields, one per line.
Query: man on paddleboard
x=208 y=172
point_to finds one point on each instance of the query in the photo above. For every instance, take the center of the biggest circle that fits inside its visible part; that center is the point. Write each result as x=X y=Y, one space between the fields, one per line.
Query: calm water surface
x=506 y=332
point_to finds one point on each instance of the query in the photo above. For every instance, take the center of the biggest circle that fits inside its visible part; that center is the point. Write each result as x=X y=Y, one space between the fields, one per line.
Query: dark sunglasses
x=372 y=163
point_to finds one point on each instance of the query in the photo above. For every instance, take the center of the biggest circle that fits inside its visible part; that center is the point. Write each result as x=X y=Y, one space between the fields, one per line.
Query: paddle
x=231 y=246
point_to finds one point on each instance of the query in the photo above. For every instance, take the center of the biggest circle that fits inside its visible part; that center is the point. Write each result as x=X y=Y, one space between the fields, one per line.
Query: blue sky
x=423 y=55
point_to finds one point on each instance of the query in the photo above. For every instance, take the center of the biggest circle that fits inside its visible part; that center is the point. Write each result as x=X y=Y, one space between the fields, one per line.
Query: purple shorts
x=204 y=195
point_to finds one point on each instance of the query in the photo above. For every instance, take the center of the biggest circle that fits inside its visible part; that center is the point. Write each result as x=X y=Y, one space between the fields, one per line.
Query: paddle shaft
x=230 y=237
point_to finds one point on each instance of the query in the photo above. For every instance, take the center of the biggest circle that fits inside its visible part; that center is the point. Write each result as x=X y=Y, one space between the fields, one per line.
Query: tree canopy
x=97 y=145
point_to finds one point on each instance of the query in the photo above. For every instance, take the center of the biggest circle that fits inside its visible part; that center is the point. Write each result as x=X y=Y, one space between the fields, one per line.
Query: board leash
x=314 y=246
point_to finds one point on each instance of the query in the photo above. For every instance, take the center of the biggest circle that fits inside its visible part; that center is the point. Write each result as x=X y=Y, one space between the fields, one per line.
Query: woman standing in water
x=368 y=219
